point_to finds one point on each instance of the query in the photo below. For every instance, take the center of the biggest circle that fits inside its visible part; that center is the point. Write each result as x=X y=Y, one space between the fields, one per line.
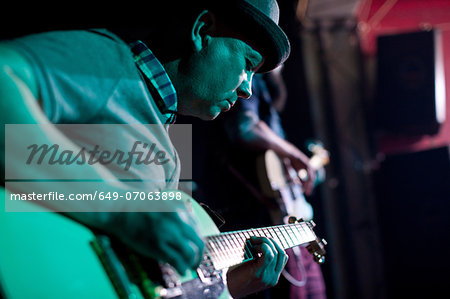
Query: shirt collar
x=157 y=78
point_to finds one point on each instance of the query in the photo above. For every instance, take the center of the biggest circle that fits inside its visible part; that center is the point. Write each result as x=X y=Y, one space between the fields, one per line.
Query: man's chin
x=209 y=116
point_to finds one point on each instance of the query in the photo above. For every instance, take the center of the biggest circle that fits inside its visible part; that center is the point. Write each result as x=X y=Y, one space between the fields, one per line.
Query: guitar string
x=221 y=247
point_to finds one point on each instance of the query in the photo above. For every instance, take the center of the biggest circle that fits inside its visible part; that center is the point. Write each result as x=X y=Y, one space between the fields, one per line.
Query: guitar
x=46 y=255
x=279 y=181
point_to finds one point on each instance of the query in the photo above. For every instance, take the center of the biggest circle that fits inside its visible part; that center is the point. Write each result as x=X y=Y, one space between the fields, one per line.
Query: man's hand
x=259 y=136
x=169 y=237
x=164 y=236
x=260 y=273
x=300 y=162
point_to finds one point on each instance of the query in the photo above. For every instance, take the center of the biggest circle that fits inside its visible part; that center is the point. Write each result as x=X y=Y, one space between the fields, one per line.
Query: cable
x=292 y=279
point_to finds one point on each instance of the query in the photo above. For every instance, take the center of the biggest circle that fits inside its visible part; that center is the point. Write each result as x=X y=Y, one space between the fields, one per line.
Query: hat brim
x=267 y=36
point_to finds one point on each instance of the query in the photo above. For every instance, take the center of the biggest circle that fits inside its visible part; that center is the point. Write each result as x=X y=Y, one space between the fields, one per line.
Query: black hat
x=262 y=18
x=256 y=21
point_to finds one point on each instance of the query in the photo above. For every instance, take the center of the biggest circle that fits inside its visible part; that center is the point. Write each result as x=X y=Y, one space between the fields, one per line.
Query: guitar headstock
x=316 y=247
x=320 y=157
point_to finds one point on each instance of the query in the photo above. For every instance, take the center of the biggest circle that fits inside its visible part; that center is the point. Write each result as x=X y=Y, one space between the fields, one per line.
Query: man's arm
x=254 y=133
x=170 y=237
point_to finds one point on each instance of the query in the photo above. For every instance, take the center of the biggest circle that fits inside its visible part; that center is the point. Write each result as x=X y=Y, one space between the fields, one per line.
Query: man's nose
x=245 y=89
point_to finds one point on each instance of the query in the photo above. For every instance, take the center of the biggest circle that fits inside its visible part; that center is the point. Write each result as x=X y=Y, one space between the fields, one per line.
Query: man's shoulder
x=70 y=36
x=73 y=48
x=11 y=62
x=76 y=72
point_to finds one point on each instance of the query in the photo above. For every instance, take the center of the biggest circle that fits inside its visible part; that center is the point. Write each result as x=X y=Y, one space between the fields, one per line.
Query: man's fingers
x=272 y=259
x=268 y=252
x=190 y=252
x=266 y=248
x=176 y=260
x=308 y=178
x=282 y=257
x=190 y=229
x=189 y=244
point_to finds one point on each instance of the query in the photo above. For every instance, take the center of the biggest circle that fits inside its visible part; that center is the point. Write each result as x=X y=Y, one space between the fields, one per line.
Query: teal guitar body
x=46 y=255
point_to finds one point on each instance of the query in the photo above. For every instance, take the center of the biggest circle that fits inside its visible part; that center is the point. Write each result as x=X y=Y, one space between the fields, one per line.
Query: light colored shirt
x=93 y=77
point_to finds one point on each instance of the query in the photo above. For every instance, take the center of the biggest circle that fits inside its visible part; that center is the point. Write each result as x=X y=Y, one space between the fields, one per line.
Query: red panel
x=377 y=17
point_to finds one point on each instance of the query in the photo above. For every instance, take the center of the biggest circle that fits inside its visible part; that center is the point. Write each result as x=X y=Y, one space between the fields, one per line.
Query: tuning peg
x=292 y=219
x=318 y=258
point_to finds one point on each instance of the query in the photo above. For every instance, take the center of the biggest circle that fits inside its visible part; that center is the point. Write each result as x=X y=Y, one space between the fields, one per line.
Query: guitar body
x=276 y=182
x=46 y=255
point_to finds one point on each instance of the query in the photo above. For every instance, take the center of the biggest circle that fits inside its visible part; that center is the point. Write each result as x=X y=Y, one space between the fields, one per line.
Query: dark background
x=385 y=203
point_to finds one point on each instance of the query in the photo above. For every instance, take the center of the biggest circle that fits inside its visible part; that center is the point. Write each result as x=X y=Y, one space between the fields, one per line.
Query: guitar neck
x=228 y=249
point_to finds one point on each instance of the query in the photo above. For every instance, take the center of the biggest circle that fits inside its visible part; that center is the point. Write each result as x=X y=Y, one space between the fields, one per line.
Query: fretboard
x=228 y=249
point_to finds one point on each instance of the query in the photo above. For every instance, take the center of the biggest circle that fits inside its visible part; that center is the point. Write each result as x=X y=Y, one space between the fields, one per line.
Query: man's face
x=216 y=76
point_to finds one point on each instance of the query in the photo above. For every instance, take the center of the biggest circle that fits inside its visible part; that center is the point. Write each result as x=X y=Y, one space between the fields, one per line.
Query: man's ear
x=204 y=27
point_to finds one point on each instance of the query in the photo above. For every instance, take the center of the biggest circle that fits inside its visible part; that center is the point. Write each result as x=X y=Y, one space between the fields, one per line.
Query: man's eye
x=249 y=65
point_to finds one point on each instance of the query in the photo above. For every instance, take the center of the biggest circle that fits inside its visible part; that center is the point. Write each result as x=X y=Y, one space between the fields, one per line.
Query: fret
x=300 y=230
x=261 y=232
x=228 y=249
x=271 y=233
x=226 y=255
x=235 y=242
x=215 y=239
x=311 y=234
x=241 y=245
x=275 y=236
x=267 y=233
x=236 y=254
x=235 y=246
x=307 y=231
x=217 y=258
x=252 y=232
x=222 y=247
x=211 y=248
x=217 y=249
x=283 y=242
x=287 y=237
x=299 y=233
x=294 y=235
x=227 y=243
x=211 y=252
x=242 y=237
